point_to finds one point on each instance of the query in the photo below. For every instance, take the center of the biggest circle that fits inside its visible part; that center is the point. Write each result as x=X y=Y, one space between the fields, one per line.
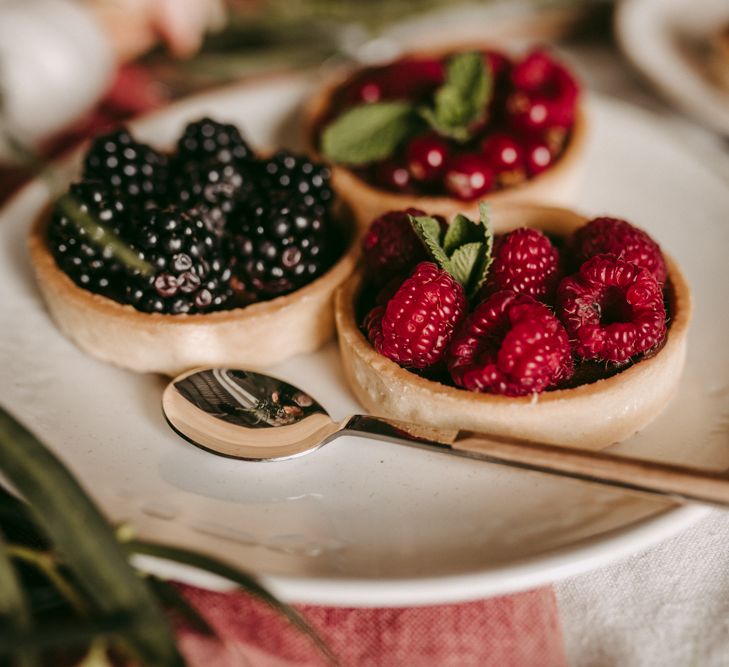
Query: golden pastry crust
x=557 y=185
x=591 y=416
x=253 y=337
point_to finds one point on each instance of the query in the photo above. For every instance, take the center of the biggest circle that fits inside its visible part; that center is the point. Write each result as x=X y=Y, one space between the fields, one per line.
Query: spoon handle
x=679 y=483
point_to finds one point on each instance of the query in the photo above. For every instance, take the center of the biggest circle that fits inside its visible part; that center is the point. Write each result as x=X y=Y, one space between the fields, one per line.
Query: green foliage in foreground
x=67 y=586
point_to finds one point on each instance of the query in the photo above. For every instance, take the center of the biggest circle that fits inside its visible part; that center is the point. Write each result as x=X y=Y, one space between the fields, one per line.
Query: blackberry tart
x=442 y=130
x=560 y=331
x=209 y=255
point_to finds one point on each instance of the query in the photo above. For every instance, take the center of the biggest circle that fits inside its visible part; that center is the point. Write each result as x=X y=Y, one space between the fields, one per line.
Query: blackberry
x=190 y=271
x=212 y=188
x=299 y=175
x=79 y=241
x=279 y=244
x=207 y=139
x=135 y=171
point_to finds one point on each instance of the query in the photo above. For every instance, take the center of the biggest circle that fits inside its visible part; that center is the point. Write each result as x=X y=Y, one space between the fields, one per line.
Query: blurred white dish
x=669 y=42
x=55 y=63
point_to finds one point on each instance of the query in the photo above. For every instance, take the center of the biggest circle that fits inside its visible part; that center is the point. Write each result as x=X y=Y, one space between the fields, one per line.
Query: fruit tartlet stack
x=530 y=318
x=460 y=126
x=208 y=255
x=208 y=227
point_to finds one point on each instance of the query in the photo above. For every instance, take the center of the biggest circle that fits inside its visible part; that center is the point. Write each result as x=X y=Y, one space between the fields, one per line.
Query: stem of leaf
x=46 y=563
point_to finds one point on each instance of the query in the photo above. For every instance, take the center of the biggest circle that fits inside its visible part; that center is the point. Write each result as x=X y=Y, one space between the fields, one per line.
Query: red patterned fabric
x=520 y=630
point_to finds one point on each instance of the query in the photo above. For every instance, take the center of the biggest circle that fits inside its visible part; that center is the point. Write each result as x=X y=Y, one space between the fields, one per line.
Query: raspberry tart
x=209 y=255
x=441 y=131
x=558 y=330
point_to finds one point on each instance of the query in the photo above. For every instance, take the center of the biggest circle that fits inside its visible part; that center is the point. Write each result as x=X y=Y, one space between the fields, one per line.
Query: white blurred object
x=55 y=63
x=670 y=42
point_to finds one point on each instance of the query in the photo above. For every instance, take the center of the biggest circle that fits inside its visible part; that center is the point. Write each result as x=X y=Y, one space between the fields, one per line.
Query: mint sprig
x=373 y=132
x=462 y=100
x=369 y=132
x=464 y=250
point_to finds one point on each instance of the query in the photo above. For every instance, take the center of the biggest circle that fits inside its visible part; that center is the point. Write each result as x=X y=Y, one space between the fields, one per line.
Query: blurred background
x=73 y=68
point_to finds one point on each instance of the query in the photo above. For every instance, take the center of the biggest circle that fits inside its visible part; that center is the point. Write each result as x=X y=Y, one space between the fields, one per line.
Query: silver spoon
x=252 y=416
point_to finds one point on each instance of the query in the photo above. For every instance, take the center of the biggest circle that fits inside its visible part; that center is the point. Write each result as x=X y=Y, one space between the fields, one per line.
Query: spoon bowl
x=245 y=415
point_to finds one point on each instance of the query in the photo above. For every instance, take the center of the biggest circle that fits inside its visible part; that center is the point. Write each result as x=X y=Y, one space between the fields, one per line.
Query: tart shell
x=557 y=185
x=590 y=416
x=254 y=337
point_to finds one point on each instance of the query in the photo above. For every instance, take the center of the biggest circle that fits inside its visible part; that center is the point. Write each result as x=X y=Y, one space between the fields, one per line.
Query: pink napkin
x=520 y=630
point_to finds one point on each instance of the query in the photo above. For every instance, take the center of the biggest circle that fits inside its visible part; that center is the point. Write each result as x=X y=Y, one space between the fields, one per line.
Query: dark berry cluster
x=205 y=228
x=525 y=128
x=530 y=327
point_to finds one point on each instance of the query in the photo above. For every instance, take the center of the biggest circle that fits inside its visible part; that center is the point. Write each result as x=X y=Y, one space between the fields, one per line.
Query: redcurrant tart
x=430 y=149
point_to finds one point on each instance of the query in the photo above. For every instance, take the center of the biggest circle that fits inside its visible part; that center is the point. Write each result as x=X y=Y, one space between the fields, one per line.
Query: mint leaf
x=369 y=132
x=465 y=251
x=464 y=261
x=428 y=229
x=462 y=100
x=460 y=231
x=482 y=269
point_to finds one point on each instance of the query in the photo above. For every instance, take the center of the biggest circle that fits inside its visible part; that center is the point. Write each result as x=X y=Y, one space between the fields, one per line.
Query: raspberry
x=618 y=237
x=417 y=324
x=612 y=309
x=391 y=247
x=526 y=262
x=511 y=345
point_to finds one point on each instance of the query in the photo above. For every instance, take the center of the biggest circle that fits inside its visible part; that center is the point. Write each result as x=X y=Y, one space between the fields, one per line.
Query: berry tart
x=441 y=131
x=558 y=330
x=208 y=255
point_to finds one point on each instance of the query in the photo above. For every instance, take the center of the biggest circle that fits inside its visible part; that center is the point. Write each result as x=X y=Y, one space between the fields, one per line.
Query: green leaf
x=97 y=655
x=461 y=230
x=47 y=565
x=101 y=236
x=482 y=269
x=174 y=600
x=463 y=99
x=464 y=261
x=244 y=580
x=62 y=632
x=85 y=542
x=14 y=607
x=369 y=132
x=429 y=231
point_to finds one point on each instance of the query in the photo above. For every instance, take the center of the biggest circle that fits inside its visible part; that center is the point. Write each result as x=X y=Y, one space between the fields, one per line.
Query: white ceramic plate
x=668 y=41
x=360 y=522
